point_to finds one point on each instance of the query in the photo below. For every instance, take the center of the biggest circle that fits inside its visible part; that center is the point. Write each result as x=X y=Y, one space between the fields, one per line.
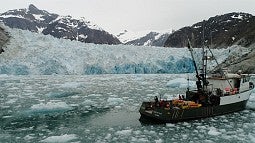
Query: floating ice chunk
x=201 y=127
x=252 y=138
x=225 y=121
x=124 y=132
x=134 y=139
x=152 y=95
x=213 y=131
x=184 y=136
x=159 y=141
x=185 y=124
x=137 y=132
x=152 y=132
x=13 y=96
x=117 y=107
x=222 y=130
x=4 y=117
x=60 y=139
x=197 y=124
x=11 y=101
x=139 y=140
x=108 y=136
x=227 y=137
x=170 y=125
x=251 y=104
x=4 y=75
x=71 y=85
x=50 y=107
x=208 y=141
x=95 y=95
x=180 y=83
x=28 y=137
x=89 y=103
x=114 y=101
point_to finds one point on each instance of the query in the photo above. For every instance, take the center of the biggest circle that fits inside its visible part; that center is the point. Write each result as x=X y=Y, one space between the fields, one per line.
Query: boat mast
x=205 y=83
x=199 y=86
x=203 y=56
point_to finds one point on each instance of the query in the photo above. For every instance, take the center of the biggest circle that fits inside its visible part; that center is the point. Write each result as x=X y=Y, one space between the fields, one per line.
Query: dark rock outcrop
x=3 y=39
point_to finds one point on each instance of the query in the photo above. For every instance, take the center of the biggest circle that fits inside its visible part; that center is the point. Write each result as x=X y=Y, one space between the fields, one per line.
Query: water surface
x=104 y=108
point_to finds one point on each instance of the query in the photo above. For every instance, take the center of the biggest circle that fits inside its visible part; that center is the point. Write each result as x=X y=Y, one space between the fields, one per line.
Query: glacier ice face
x=29 y=53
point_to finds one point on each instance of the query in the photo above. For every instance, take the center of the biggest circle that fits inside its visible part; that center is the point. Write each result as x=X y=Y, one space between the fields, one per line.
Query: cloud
x=138 y=15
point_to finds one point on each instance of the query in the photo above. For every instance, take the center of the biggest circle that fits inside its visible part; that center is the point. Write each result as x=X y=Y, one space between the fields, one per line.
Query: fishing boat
x=216 y=94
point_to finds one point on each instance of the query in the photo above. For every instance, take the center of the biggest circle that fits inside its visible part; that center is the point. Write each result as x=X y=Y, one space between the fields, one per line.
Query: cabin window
x=246 y=79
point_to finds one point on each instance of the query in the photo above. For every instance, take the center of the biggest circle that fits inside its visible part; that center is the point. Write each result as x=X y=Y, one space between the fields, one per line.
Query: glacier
x=30 y=53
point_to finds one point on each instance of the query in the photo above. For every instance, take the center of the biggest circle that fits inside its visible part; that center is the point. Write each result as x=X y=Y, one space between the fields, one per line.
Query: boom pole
x=199 y=86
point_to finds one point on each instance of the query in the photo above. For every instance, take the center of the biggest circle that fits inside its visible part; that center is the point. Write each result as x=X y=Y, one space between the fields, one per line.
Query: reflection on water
x=104 y=108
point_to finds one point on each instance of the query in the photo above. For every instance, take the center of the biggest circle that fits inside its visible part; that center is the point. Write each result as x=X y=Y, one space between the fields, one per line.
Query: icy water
x=104 y=108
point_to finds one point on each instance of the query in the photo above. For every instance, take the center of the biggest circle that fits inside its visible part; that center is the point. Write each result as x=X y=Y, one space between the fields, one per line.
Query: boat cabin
x=220 y=85
x=229 y=83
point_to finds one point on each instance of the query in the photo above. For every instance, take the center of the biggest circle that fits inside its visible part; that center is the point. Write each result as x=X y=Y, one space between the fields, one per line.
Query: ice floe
x=126 y=132
x=49 y=107
x=180 y=83
x=213 y=131
x=60 y=139
x=114 y=101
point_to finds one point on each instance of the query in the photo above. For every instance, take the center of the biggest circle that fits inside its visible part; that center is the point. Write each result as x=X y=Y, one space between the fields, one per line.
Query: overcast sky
x=137 y=15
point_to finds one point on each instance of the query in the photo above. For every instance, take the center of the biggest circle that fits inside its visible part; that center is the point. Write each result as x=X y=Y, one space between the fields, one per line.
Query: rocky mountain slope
x=143 y=38
x=41 y=21
x=222 y=30
x=245 y=63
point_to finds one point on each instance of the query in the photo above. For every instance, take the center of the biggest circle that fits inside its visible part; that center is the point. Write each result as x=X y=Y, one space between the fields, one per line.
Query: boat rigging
x=220 y=93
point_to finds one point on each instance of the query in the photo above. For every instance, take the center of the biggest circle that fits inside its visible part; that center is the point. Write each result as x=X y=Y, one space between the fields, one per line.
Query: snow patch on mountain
x=144 y=38
x=38 y=17
x=90 y=24
x=237 y=16
x=127 y=36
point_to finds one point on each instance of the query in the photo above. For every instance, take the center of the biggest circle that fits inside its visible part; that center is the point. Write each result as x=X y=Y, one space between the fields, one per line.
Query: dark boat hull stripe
x=163 y=115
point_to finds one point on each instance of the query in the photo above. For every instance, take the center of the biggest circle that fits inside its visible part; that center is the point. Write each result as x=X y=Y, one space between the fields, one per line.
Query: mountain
x=222 y=30
x=41 y=21
x=144 y=38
